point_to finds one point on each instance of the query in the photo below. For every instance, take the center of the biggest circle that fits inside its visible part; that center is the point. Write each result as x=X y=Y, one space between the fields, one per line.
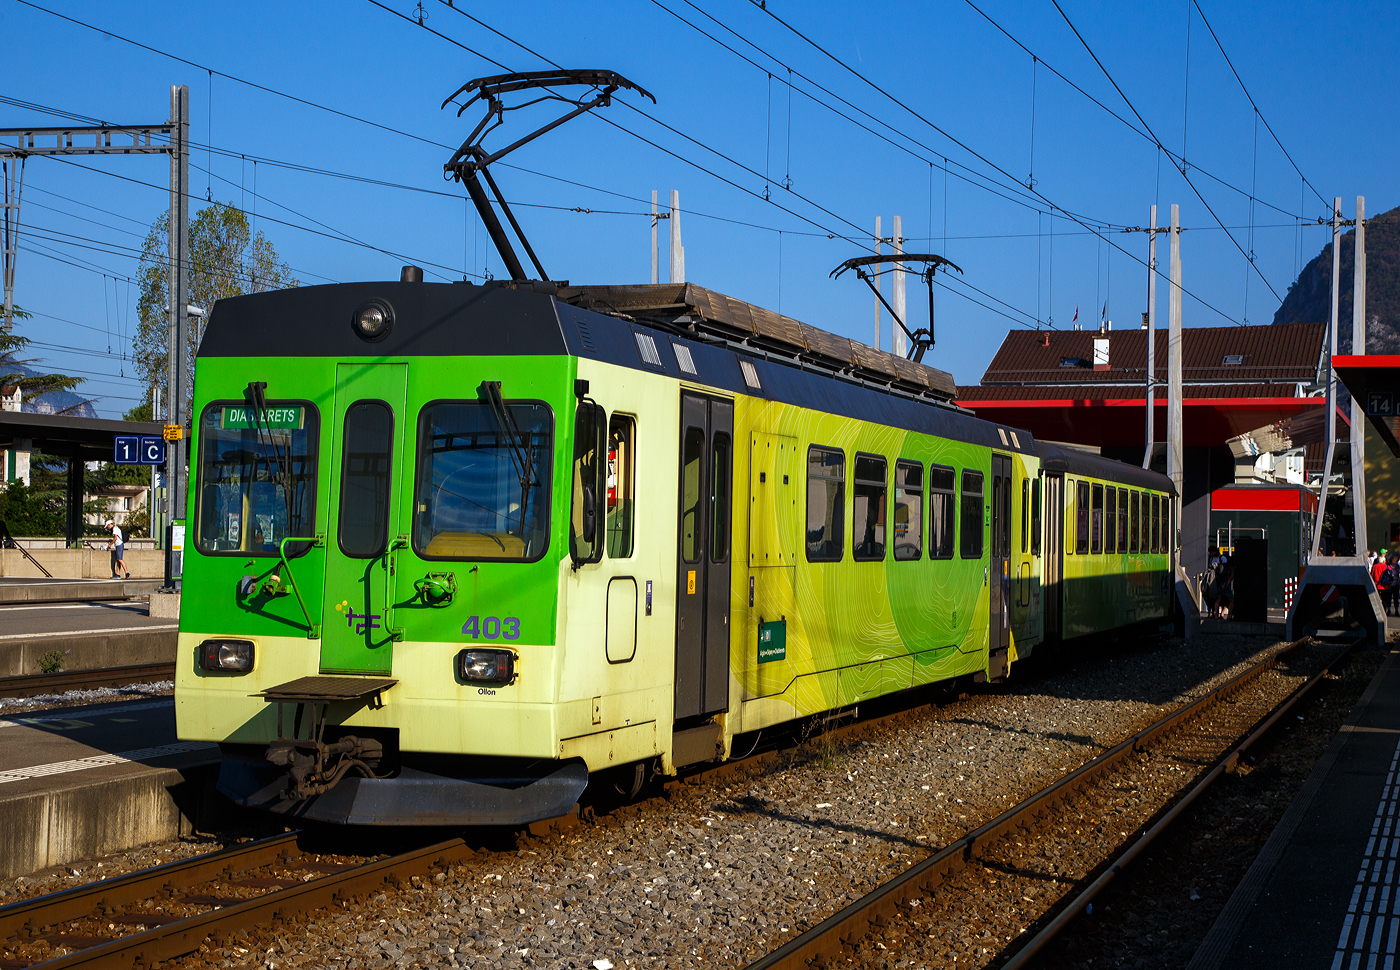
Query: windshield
x=480 y=494
x=257 y=485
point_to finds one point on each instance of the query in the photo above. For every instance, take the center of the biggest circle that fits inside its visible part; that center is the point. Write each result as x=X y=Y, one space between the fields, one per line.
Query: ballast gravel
x=720 y=873
x=80 y=698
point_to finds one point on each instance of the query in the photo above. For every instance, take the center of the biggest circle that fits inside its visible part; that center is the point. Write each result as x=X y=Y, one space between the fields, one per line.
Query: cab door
x=367 y=459
x=999 y=646
x=702 y=594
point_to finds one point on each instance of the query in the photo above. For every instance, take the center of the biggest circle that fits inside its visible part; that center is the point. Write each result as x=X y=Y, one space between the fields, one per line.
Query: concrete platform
x=78 y=782
x=1323 y=892
x=86 y=635
x=31 y=590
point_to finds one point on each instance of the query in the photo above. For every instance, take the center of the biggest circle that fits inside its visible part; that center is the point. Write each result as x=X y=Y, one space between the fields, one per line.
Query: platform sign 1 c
x=1380 y=404
x=138 y=450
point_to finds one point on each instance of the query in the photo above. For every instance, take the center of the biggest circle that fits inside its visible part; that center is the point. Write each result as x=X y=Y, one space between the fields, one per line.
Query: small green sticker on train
x=772 y=641
x=237 y=417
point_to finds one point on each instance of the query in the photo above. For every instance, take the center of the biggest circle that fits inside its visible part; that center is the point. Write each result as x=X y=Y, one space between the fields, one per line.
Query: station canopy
x=88 y=439
x=1374 y=381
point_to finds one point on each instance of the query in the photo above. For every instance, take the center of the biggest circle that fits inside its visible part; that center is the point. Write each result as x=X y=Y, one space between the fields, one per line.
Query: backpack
x=1390 y=578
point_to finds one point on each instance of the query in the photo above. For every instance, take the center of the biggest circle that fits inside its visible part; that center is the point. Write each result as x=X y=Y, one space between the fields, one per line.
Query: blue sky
x=1313 y=69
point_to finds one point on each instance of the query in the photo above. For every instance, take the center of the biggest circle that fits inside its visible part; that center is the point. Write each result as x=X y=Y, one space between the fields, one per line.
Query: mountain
x=1309 y=297
x=55 y=402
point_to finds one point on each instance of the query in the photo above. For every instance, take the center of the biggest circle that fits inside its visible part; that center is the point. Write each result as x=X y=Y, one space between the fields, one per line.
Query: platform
x=1323 y=891
x=85 y=635
x=34 y=590
x=78 y=782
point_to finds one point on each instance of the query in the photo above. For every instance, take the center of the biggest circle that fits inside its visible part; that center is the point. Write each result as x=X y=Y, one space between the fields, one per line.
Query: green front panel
x=359 y=630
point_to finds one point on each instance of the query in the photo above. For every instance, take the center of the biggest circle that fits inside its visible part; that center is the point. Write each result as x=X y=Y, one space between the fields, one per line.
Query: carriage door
x=1053 y=561
x=1000 y=628
x=702 y=589
x=357 y=630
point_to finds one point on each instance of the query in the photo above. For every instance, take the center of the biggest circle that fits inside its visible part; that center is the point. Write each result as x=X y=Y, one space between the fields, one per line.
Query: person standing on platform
x=1378 y=568
x=119 y=570
x=1389 y=583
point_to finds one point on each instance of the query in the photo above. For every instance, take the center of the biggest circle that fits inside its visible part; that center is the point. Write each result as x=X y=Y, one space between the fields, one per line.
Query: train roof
x=463 y=319
x=1054 y=458
x=705 y=312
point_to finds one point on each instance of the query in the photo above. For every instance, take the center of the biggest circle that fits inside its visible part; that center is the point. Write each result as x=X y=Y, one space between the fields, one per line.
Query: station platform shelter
x=1251 y=405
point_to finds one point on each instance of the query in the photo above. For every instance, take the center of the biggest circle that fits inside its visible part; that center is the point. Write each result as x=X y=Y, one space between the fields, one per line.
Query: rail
x=824 y=942
x=27 y=685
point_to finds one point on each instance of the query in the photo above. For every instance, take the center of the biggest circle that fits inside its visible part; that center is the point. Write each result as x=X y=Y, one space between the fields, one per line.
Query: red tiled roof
x=970 y=394
x=1284 y=354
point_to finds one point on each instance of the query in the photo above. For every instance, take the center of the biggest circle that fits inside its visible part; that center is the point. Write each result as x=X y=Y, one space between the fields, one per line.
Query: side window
x=908 y=510
x=1134 y=524
x=1156 y=524
x=364 y=481
x=1122 y=520
x=622 y=474
x=1096 y=522
x=1081 y=521
x=692 y=454
x=868 y=510
x=971 y=514
x=1035 y=517
x=826 y=504
x=940 y=512
x=590 y=467
x=1025 y=514
x=1110 y=520
x=721 y=457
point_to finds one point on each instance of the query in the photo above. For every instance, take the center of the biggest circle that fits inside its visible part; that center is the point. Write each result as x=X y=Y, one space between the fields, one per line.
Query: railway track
x=27 y=685
x=864 y=923
x=166 y=912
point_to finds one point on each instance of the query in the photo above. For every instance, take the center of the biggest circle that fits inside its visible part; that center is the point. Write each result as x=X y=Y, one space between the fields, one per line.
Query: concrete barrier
x=74 y=591
x=20 y=653
x=87 y=819
x=82 y=563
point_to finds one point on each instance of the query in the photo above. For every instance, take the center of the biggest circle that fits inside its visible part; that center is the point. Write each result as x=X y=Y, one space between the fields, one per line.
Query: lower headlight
x=486 y=666
x=228 y=656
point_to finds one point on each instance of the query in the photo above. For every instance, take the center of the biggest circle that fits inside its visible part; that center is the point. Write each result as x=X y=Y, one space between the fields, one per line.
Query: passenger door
x=358 y=633
x=703 y=561
x=1053 y=551
x=1000 y=628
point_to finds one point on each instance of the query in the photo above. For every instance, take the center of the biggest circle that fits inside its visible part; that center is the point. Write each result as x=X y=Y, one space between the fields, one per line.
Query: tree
x=226 y=259
x=13 y=367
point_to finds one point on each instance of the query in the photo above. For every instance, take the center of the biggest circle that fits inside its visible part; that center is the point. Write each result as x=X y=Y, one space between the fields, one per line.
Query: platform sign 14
x=130 y=449
x=1380 y=404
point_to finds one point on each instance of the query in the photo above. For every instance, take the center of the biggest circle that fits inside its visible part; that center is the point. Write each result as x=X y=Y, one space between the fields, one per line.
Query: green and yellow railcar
x=457 y=548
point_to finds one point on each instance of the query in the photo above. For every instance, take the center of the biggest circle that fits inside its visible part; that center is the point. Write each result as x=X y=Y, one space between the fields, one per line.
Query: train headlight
x=226 y=656
x=373 y=320
x=486 y=666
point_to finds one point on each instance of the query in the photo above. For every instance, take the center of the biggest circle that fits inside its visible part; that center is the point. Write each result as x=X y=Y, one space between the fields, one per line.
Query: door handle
x=395 y=632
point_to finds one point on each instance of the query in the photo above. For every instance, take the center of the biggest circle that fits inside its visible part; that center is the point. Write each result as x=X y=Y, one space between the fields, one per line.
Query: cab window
x=483 y=481
x=622 y=445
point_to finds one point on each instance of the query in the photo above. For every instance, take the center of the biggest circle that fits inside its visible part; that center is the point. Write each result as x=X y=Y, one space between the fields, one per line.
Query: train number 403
x=492 y=627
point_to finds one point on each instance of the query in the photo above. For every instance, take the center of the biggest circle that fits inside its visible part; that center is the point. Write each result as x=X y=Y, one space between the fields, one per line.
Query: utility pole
x=654 y=254
x=14 y=190
x=169 y=138
x=176 y=462
x=677 y=250
x=879 y=251
x=1331 y=422
x=897 y=343
x=1151 y=340
x=1174 y=469
x=1358 y=414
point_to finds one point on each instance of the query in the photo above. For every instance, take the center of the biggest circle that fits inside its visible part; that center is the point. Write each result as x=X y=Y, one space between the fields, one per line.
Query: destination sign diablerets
x=237 y=417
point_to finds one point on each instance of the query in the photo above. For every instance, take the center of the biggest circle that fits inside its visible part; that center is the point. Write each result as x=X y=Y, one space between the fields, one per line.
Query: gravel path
x=720 y=873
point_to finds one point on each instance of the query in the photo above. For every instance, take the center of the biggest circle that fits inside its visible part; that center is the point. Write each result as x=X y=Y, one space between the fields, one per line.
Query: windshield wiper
x=521 y=455
x=278 y=465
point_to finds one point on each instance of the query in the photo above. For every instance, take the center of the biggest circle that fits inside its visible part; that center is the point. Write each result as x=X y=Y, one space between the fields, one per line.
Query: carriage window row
x=875 y=521
x=1111 y=520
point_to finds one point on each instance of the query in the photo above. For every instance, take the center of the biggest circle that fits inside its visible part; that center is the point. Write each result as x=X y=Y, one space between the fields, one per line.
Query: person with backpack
x=1210 y=587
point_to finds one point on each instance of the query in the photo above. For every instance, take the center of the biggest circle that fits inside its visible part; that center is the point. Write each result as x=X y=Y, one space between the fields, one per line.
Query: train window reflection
x=483 y=480
x=622 y=436
x=826 y=504
x=1096 y=522
x=257 y=477
x=868 y=510
x=366 y=460
x=972 y=515
x=940 y=512
x=1081 y=521
x=908 y=510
